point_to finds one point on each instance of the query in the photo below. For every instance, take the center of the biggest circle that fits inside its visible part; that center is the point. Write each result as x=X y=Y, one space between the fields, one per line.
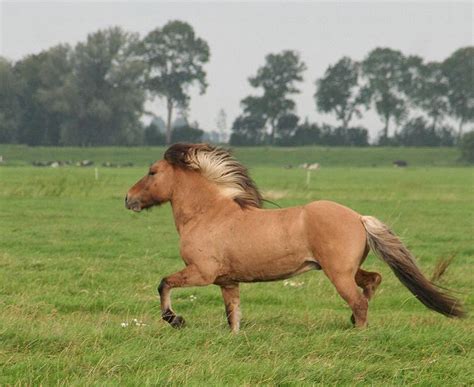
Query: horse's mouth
x=135 y=206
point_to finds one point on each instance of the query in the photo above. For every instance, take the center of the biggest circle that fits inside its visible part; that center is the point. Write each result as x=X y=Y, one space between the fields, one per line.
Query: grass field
x=261 y=156
x=75 y=266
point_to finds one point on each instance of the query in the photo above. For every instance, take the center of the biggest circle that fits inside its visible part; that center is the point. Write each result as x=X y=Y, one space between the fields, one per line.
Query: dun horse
x=227 y=238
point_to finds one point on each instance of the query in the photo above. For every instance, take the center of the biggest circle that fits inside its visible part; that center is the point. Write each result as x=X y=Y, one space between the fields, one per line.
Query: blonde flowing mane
x=220 y=167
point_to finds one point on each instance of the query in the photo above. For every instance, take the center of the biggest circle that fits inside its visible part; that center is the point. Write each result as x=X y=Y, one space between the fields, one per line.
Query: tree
x=459 y=70
x=105 y=95
x=187 y=133
x=429 y=92
x=307 y=134
x=277 y=78
x=175 y=57
x=10 y=111
x=159 y=123
x=385 y=71
x=357 y=136
x=248 y=130
x=44 y=107
x=417 y=132
x=286 y=128
x=467 y=147
x=153 y=135
x=339 y=91
x=180 y=120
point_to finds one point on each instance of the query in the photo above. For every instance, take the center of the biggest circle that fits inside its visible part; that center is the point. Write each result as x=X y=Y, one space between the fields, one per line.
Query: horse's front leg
x=189 y=276
x=232 y=306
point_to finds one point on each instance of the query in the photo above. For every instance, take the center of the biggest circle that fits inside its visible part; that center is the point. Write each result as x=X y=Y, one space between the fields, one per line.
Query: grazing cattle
x=310 y=166
x=400 y=163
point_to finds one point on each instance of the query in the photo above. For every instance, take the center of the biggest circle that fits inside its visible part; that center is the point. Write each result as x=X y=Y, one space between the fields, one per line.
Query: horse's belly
x=281 y=273
x=271 y=267
x=269 y=248
x=266 y=274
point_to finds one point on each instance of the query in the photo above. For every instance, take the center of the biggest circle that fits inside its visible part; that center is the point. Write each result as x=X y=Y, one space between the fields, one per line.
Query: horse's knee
x=368 y=281
x=377 y=280
x=162 y=286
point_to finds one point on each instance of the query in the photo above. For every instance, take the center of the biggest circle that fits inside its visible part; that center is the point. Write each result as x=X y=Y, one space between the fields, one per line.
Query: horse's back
x=328 y=208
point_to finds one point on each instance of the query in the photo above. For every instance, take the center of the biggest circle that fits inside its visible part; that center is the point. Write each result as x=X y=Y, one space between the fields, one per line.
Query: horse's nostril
x=126 y=198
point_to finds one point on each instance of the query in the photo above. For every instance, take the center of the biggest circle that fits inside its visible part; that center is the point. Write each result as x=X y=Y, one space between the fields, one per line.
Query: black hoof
x=354 y=323
x=177 y=322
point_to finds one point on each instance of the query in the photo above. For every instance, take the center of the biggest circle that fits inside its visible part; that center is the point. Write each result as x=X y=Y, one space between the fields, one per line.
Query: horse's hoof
x=353 y=321
x=178 y=322
x=365 y=325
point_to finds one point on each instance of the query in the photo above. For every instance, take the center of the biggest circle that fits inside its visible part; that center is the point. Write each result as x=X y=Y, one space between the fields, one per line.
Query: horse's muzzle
x=132 y=204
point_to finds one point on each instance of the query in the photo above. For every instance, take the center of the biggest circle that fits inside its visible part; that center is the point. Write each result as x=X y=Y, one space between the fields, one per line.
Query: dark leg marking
x=168 y=315
x=161 y=286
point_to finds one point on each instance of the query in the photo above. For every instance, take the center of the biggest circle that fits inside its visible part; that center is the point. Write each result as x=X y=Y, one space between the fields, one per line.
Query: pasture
x=78 y=277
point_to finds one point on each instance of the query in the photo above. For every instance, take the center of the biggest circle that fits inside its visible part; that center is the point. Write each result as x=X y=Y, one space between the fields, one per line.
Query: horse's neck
x=194 y=197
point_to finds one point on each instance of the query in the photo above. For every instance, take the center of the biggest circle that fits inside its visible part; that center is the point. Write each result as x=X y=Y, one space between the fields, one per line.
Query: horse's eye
x=151 y=173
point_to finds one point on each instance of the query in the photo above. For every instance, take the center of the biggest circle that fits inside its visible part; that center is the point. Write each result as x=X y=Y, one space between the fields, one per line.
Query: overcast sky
x=240 y=34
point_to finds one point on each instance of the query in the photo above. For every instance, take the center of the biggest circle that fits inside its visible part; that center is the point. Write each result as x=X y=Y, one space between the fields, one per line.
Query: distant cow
x=313 y=166
x=400 y=163
x=85 y=163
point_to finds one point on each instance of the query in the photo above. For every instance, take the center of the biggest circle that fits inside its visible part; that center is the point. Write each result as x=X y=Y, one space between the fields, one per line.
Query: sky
x=240 y=34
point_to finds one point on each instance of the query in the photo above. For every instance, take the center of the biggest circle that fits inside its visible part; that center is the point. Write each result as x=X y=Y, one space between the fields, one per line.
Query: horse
x=227 y=238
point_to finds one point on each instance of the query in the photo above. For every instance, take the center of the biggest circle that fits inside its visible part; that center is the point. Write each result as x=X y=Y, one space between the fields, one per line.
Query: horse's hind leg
x=368 y=281
x=347 y=288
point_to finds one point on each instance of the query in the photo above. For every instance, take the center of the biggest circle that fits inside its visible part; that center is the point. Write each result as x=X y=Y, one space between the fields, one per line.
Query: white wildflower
x=293 y=284
x=134 y=322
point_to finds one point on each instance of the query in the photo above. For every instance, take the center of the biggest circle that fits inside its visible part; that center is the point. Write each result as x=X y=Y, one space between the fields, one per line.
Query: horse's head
x=152 y=189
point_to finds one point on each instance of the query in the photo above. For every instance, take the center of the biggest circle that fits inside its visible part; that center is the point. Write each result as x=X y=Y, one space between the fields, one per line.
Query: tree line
x=413 y=96
x=95 y=93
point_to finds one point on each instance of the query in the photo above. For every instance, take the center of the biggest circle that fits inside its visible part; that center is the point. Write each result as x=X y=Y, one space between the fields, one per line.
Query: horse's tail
x=390 y=249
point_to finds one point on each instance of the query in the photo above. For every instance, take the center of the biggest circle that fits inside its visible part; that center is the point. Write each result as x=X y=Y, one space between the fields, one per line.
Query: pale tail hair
x=391 y=250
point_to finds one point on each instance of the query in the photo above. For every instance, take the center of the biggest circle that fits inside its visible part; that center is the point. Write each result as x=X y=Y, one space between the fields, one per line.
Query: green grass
x=75 y=265
x=326 y=156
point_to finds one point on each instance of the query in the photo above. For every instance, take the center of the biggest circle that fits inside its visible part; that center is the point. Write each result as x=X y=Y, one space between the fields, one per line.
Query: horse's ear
x=177 y=154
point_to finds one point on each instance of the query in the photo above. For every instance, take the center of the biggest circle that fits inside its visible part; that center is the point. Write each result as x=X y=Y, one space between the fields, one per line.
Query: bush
x=388 y=141
x=186 y=133
x=248 y=130
x=307 y=134
x=446 y=136
x=286 y=128
x=357 y=136
x=417 y=132
x=467 y=147
x=153 y=136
